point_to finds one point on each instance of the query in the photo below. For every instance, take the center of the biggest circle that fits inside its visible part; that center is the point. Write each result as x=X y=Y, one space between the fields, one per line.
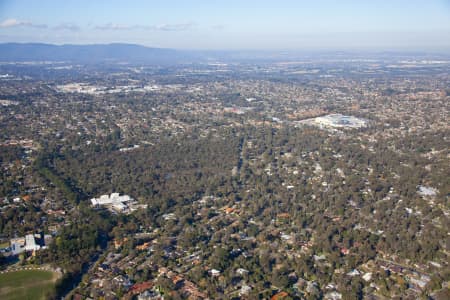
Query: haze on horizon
x=234 y=24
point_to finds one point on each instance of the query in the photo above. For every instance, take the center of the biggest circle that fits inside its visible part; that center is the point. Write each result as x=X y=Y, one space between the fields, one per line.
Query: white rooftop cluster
x=114 y=201
x=427 y=191
x=30 y=243
x=338 y=120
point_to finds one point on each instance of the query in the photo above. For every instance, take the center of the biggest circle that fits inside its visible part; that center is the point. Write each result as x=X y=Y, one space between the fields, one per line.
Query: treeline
x=43 y=165
x=77 y=246
x=174 y=169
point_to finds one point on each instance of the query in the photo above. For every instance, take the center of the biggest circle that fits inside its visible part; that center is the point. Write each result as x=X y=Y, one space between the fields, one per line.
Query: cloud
x=161 y=27
x=9 y=23
x=67 y=26
x=112 y=26
x=174 y=27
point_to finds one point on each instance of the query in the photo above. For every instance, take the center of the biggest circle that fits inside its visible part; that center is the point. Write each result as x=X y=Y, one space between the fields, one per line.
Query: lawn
x=30 y=284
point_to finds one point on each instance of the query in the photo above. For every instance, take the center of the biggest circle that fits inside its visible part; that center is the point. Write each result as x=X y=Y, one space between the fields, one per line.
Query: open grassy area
x=30 y=284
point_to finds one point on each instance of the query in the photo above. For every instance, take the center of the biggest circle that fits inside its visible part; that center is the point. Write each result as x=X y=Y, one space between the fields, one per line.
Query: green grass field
x=30 y=284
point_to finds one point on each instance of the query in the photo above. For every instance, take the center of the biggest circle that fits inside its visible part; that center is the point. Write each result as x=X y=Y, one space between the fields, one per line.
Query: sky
x=232 y=24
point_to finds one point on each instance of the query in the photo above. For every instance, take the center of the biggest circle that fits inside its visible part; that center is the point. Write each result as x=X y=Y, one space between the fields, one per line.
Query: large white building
x=30 y=243
x=115 y=198
x=114 y=202
x=27 y=243
x=338 y=120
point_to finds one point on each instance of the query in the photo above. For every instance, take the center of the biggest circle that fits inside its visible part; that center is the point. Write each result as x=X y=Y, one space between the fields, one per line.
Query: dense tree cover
x=233 y=183
x=28 y=215
x=77 y=243
x=170 y=171
x=10 y=155
x=349 y=212
x=43 y=167
x=77 y=246
x=172 y=175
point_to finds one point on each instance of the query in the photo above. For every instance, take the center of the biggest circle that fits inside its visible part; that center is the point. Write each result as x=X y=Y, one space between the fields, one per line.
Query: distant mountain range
x=96 y=53
x=131 y=53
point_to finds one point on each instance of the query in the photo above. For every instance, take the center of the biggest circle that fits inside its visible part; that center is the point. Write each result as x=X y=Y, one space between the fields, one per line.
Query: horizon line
x=434 y=50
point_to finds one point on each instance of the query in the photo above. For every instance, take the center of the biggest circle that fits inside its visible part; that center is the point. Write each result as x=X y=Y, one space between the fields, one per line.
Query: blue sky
x=232 y=24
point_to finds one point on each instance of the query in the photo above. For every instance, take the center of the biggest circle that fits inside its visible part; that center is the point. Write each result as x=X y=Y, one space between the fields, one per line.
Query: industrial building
x=339 y=121
x=29 y=243
x=114 y=202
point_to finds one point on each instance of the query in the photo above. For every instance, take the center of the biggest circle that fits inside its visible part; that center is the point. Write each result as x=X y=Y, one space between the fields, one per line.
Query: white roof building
x=17 y=248
x=30 y=243
x=119 y=206
x=115 y=198
x=338 y=120
x=115 y=202
x=242 y=271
